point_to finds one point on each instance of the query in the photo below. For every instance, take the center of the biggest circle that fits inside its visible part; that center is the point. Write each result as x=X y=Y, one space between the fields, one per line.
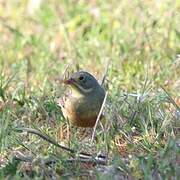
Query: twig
x=88 y=160
x=45 y=137
x=50 y=140
x=98 y=118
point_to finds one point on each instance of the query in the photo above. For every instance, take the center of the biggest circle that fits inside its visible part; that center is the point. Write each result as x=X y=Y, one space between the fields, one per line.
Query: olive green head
x=82 y=82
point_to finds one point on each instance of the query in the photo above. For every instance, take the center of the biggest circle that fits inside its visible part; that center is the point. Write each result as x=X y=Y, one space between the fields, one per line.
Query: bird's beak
x=69 y=81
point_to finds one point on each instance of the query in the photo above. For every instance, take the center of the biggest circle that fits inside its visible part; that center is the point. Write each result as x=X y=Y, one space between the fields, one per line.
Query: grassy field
x=139 y=42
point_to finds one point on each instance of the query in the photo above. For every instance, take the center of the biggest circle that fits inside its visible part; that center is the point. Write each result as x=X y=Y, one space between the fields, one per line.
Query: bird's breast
x=82 y=112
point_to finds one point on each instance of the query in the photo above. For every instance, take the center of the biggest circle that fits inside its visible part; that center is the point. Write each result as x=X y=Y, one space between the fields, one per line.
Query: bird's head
x=82 y=83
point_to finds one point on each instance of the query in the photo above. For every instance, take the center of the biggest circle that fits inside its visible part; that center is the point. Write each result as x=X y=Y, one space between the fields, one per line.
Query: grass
x=139 y=40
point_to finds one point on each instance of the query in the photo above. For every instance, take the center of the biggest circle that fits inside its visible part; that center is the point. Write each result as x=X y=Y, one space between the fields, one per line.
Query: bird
x=81 y=105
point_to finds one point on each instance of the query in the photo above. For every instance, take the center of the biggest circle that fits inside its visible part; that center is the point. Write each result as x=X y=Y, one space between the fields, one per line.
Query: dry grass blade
x=98 y=118
x=105 y=74
x=171 y=99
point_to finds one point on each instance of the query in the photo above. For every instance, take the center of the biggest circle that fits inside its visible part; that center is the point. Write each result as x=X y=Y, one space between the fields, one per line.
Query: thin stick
x=45 y=137
x=98 y=118
x=89 y=159
x=52 y=141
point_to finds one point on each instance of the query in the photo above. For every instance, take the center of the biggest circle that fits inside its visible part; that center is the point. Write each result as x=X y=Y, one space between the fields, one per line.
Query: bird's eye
x=81 y=78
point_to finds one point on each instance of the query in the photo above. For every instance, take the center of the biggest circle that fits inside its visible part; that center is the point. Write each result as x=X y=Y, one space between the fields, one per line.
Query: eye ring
x=81 y=78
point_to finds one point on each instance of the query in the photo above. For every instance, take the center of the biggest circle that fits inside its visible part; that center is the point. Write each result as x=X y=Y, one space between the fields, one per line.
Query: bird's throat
x=79 y=91
x=76 y=93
